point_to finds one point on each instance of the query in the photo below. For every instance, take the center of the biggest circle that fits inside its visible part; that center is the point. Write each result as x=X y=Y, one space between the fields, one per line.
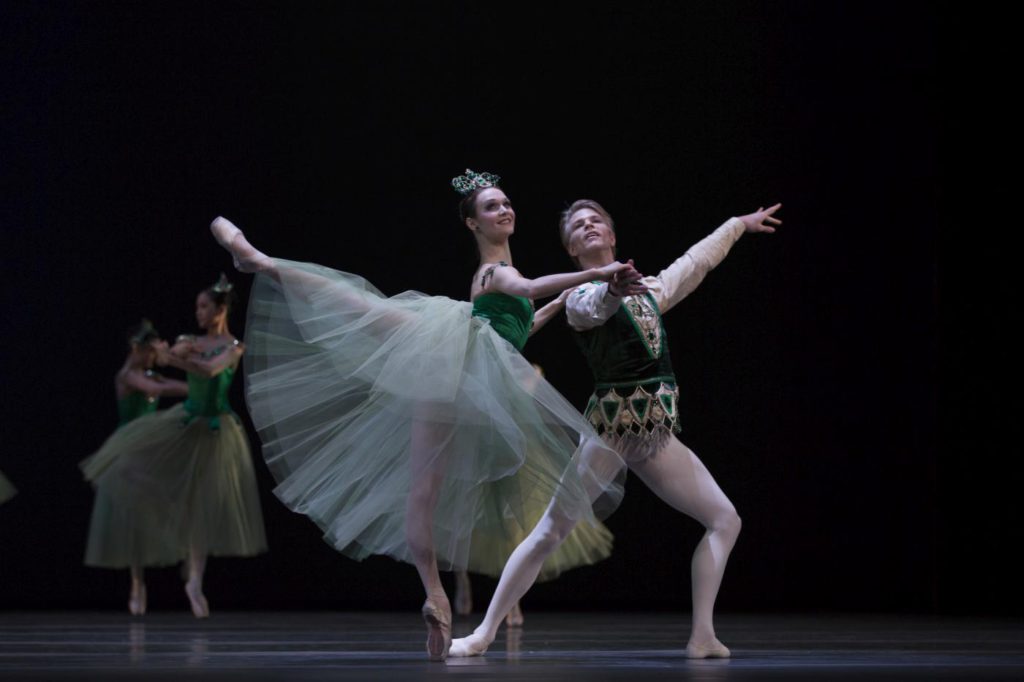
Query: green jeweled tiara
x=146 y=330
x=464 y=184
x=222 y=286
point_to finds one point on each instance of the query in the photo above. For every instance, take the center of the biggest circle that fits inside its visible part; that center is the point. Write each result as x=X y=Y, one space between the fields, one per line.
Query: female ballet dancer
x=180 y=482
x=408 y=426
x=138 y=389
x=633 y=407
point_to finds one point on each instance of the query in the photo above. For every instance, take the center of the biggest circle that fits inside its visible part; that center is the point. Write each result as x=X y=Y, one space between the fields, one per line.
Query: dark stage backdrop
x=809 y=361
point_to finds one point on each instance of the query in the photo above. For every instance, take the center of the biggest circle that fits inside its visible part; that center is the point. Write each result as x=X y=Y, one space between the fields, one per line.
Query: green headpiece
x=145 y=332
x=464 y=184
x=222 y=285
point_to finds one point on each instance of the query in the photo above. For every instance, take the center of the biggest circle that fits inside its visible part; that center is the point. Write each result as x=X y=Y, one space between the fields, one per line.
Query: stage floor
x=330 y=646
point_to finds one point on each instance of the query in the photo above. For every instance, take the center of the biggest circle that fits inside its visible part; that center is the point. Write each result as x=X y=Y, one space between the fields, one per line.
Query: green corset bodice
x=510 y=316
x=208 y=396
x=134 y=405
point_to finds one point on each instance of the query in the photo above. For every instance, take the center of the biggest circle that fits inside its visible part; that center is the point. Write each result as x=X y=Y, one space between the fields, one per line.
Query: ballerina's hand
x=627 y=281
x=183 y=345
x=606 y=272
x=562 y=297
x=761 y=220
x=162 y=351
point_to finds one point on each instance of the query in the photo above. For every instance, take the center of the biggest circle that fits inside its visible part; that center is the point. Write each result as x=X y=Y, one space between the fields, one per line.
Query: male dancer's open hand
x=761 y=220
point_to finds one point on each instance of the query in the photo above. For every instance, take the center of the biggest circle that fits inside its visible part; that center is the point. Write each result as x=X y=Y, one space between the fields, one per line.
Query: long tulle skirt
x=376 y=413
x=166 y=484
x=7 y=491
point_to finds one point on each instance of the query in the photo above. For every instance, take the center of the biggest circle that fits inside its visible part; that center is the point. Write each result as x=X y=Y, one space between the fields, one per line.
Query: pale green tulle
x=341 y=382
x=165 y=484
x=7 y=490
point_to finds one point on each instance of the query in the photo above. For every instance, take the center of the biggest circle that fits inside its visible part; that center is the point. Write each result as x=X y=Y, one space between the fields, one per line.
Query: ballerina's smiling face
x=494 y=215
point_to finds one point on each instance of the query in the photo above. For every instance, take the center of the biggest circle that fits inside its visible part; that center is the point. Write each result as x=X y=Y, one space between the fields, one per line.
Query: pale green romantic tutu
x=168 y=482
x=339 y=379
x=587 y=544
x=7 y=491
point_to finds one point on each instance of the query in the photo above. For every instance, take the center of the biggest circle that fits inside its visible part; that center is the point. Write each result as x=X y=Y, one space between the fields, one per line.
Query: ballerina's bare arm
x=210 y=367
x=154 y=385
x=549 y=311
x=507 y=280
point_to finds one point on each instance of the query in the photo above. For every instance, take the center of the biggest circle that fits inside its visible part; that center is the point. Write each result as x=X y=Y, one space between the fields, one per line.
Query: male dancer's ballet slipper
x=714 y=649
x=439 y=631
x=464 y=647
x=226 y=233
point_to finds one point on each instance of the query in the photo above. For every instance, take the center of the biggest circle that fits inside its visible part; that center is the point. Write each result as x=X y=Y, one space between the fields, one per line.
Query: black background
x=837 y=377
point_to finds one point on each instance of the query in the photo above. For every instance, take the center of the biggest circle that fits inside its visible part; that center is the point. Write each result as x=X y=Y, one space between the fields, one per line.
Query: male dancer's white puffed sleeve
x=678 y=280
x=590 y=305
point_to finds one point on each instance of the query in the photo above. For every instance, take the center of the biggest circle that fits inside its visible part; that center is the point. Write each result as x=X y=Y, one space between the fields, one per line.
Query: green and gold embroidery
x=618 y=412
x=643 y=313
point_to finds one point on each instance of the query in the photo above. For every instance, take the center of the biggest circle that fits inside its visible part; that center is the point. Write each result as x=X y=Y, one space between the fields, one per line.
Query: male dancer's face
x=590 y=235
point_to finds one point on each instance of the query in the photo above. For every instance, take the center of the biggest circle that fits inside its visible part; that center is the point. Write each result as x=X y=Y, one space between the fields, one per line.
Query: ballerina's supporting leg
x=194 y=585
x=678 y=477
x=137 y=599
x=427 y=474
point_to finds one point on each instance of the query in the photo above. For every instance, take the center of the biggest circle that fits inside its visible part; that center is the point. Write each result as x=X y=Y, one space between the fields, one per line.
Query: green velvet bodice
x=134 y=405
x=510 y=316
x=630 y=348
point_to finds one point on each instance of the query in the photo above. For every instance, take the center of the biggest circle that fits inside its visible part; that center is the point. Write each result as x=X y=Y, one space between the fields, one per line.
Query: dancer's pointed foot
x=438 y=617
x=515 y=619
x=707 y=649
x=137 y=599
x=472 y=645
x=194 y=592
x=246 y=257
x=463 y=594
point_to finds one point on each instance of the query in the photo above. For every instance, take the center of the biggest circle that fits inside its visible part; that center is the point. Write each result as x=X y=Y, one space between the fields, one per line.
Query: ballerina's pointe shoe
x=245 y=256
x=439 y=631
x=137 y=601
x=200 y=607
x=712 y=649
x=464 y=647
